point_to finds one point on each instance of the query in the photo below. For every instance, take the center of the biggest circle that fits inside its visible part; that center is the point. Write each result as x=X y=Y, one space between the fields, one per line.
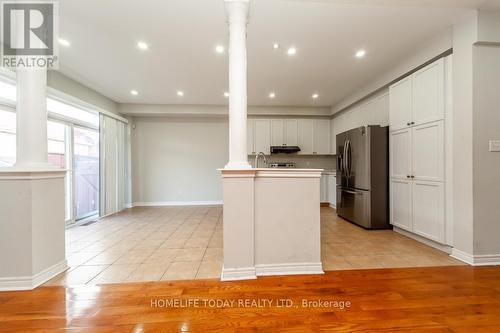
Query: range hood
x=284 y=149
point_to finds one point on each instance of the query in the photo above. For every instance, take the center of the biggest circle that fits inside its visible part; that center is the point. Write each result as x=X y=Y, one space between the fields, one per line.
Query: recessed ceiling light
x=276 y=46
x=360 y=54
x=315 y=96
x=142 y=45
x=219 y=49
x=180 y=93
x=134 y=92
x=64 y=42
x=226 y=94
x=272 y=95
x=292 y=51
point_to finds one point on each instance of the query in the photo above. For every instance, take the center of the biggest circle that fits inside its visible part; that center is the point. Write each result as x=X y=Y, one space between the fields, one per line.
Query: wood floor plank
x=434 y=299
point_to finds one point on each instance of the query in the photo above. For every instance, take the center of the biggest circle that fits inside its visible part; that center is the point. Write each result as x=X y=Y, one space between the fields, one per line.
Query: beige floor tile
x=365 y=262
x=209 y=270
x=80 y=258
x=174 y=243
x=77 y=276
x=181 y=270
x=194 y=254
x=214 y=254
x=114 y=274
x=104 y=258
x=196 y=243
x=148 y=272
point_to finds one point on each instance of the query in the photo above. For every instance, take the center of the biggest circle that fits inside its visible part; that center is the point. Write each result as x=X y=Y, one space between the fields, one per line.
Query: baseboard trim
x=31 y=282
x=333 y=206
x=476 y=260
x=236 y=274
x=418 y=238
x=289 y=269
x=177 y=203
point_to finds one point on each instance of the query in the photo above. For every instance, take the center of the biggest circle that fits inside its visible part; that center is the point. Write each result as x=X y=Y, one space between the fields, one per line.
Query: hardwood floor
x=434 y=299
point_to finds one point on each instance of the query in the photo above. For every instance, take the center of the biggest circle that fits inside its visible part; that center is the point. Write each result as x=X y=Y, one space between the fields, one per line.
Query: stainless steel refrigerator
x=363 y=176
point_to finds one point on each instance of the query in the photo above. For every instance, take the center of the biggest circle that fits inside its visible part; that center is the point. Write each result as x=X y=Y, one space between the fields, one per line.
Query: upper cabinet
x=400 y=104
x=305 y=136
x=262 y=136
x=291 y=132
x=284 y=132
x=428 y=93
x=321 y=139
x=419 y=98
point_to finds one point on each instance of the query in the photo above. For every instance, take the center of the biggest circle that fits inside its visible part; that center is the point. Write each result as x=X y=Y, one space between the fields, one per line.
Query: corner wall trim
x=289 y=269
x=236 y=274
x=177 y=203
x=31 y=282
x=476 y=260
x=418 y=238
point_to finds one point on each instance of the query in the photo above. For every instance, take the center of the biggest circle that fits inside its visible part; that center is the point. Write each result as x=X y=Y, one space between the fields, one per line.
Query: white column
x=31 y=118
x=237 y=14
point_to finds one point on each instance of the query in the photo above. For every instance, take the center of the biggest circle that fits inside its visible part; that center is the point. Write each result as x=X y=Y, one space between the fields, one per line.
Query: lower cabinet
x=418 y=206
x=324 y=189
x=332 y=190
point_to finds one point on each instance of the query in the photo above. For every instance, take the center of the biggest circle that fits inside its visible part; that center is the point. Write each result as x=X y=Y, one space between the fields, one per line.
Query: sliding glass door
x=86 y=172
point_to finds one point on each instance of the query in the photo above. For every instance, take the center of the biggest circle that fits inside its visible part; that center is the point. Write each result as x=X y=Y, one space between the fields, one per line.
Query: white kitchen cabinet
x=321 y=137
x=428 y=210
x=400 y=104
x=250 y=137
x=291 y=132
x=428 y=151
x=262 y=133
x=400 y=153
x=277 y=132
x=401 y=203
x=428 y=93
x=323 y=189
x=305 y=136
x=332 y=190
x=333 y=138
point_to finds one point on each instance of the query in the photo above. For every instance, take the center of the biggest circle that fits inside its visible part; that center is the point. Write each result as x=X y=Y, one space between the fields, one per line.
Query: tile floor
x=171 y=243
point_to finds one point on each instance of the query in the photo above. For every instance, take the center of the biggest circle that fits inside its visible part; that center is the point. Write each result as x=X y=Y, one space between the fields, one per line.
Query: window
x=56 y=133
x=7 y=138
x=86 y=171
x=7 y=91
x=69 y=112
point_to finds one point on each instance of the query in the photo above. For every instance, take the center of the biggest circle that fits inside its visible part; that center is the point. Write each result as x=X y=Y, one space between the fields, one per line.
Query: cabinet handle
x=413 y=123
x=408 y=124
x=408 y=176
x=412 y=176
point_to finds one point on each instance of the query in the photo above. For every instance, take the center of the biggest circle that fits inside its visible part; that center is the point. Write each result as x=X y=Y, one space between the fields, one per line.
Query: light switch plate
x=495 y=145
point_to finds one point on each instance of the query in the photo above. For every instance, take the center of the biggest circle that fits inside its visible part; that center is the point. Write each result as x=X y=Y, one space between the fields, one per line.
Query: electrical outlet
x=495 y=145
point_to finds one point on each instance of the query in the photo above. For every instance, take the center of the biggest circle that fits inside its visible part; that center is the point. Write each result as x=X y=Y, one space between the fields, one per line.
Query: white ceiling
x=182 y=35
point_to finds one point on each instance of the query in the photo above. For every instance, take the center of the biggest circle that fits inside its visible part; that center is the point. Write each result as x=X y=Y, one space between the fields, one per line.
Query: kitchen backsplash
x=327 y=162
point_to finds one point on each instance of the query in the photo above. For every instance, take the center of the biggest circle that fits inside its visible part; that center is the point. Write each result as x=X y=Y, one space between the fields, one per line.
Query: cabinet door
x=277 y=132
x=305 y=136
x=428 y=93
x=428 y=210
x=332 y=190
x=400 y=104
x=250 y=137
x=262 y=132
x=400 y=155
x=324 y=188
x=321 y=142
x=291 y=132
x=428 y=151
x=401 y=204
x=333 y=139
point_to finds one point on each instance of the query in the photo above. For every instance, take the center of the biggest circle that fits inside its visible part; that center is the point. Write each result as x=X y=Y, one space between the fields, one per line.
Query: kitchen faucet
x=256 y=163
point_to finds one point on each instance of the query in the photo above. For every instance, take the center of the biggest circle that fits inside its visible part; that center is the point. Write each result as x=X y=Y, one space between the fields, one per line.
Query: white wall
x=422 y=53
x=216 y=110
x=176 y=159
x=64 y=84
x=486 y=164
x=374 y=111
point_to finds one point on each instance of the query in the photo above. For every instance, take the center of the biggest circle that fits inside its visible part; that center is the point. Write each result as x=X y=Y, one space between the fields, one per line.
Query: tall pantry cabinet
x=417 y=152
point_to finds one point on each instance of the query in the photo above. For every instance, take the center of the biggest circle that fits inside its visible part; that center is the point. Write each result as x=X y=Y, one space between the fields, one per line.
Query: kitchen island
x=271 y=222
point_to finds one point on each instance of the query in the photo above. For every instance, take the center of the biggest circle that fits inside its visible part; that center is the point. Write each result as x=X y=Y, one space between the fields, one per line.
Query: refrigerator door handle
x=348 y=158
x=353 y=192
x=344 y=159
